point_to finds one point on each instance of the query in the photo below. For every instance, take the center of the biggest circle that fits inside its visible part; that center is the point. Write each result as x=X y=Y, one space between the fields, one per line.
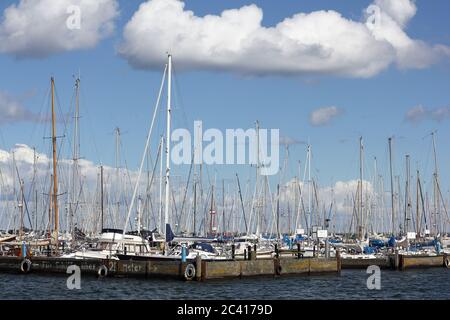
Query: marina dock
x=202 y=270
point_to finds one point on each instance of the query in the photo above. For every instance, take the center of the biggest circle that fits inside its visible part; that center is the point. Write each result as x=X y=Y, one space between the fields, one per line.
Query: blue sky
x=116 y=94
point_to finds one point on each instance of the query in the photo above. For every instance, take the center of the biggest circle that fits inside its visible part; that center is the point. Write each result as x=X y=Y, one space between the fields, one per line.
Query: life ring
x=189 y=272
x=447 y=262
x=102 y=271
x=25 y=266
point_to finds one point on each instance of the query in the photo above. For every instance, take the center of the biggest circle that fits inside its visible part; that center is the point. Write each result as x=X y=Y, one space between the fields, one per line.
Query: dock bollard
x=338 y=259
x=298 y=251
x=233 y=251
x=249 y=253
x=254 y=250
x=276 y=250
x=245 y=254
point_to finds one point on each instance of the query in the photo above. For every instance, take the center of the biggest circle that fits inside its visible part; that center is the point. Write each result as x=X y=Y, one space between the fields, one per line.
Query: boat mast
x=76 y=156
x=408 y=197
x=223 y=207
x=169 y=111
x=392 y=187
x=436 y=203
x=360 y=202
x=101 y=198
x=55 y=174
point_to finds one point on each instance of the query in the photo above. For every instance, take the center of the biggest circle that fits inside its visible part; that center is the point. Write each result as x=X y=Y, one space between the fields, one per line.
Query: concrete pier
x=200 y=270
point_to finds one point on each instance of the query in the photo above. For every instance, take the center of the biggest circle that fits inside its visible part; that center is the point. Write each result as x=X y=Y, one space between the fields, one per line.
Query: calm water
x=351 y=284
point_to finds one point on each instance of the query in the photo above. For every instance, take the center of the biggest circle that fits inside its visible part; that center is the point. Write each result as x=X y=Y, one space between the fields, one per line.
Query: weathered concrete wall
x=257 y=267
x=383 y=263
x=220 y=269
x=50 y=264
x=322 y=265
x=407 y=262
x=168 y=268
x=294 y=266
x=308 y=265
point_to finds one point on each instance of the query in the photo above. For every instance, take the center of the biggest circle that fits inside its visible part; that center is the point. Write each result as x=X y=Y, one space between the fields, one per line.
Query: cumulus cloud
x=420 y=113
x=38 y=28
x=440 y=114
x=400 y=10
x=320 y=42
x=285 y=140
x=416 y=114
x=324 y=116
x=12 y=110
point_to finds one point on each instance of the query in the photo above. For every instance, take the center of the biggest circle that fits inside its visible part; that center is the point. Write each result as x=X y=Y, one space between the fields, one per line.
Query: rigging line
x=179 y=97
x=145 y=150
x=40 y=119
x=92 y=136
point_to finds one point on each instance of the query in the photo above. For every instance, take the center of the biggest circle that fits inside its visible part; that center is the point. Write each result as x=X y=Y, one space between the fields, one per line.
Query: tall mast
x=76 y=148
x=417 y=203
x=21 y=203
x=309 y=191
x=212 y=213
x=408 y=197
x=194 y=215
x=55 y=174
x=360 y=203
x=436 y=203
x=392 y=187
x=169 y=111
x=223 y=207
x=101 y=197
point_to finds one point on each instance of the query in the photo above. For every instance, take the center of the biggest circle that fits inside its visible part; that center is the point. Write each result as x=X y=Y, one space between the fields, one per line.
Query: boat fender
x=25 y=266
x=102 y=271
x=279 y=269
x=189 y=272
x=447 y=262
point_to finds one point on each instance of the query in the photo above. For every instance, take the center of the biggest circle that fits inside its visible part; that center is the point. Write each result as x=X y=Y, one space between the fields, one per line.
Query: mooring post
x=198 y=266
x=338 y=260
x=314 y=250
x=245 y=254
x=233 y=251
x=298 y=250
x=396 y=260
x=254 y=250
x=276 y=250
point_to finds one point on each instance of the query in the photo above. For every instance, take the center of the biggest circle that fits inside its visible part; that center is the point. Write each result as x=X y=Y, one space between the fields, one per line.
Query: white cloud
x=440 y=114
x=419 y=113
x=37 y=28
x=324 y=116
x=320 y=42
x=400 y=10
x=416 y=114
x=12 y=110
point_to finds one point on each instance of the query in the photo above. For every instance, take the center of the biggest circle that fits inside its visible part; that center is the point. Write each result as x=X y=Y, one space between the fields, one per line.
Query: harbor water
x=419 y=284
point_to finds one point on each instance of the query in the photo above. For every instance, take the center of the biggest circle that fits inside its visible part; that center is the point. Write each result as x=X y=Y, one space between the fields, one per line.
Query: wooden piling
x=198 y=267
